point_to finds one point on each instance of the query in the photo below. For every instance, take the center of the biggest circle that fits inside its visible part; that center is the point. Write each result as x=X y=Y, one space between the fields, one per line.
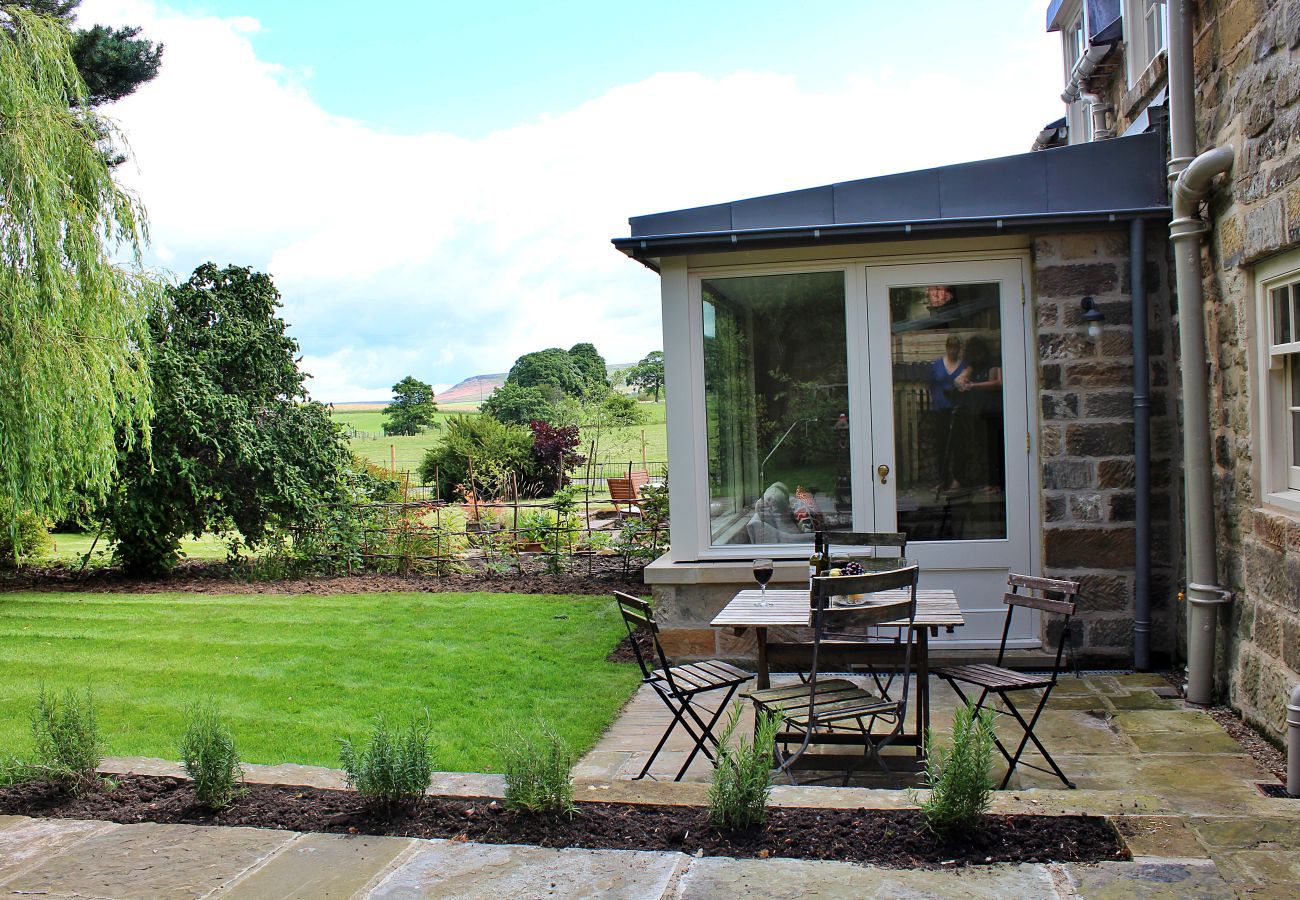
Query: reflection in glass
x=1281 y=315
x=776 y=407
x=946 y=351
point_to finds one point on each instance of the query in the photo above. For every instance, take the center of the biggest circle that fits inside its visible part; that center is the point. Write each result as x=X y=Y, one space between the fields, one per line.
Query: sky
x=433 y=186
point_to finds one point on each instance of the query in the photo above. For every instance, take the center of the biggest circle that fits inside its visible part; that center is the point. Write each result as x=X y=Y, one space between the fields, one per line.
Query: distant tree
x=412 y=407
x=648 y=374
x=514 y=404
x=74 y=343
x=112 y=62
x=593 y=369
x=552 y=368
x=620 y=409
x=236 y=444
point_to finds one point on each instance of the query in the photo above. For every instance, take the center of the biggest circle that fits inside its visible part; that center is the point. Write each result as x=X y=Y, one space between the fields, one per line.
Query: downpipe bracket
x=1208 y=595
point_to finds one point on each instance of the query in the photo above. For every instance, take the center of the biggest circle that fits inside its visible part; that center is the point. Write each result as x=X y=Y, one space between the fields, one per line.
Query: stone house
x=987 y=357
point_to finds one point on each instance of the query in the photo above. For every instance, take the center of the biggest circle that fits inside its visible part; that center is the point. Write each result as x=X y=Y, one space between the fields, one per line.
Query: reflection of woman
x=980 y=412
x=944 y=373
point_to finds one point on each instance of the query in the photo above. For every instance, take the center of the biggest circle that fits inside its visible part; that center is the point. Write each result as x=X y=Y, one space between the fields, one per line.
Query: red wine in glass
x=763 y=574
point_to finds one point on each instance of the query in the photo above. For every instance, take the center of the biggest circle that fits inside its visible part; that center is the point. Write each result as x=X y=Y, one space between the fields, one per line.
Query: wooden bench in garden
x=626 y=492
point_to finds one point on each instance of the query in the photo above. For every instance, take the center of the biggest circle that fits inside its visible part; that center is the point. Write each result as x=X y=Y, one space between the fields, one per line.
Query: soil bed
x=206 y=577
x=893 y=838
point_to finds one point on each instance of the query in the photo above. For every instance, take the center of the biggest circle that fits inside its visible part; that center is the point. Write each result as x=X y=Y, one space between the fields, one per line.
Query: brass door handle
x=883 y=471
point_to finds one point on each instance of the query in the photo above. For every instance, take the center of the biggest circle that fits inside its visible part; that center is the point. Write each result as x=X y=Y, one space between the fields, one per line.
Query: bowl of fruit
x=847 y=570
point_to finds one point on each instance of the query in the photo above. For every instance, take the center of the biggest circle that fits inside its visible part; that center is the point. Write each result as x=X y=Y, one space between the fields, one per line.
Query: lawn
x=295 y=673
x=616 y=445
x=70 y=548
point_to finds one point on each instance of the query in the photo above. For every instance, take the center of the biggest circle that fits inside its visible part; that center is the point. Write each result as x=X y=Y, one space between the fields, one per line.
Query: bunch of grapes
x=852 y=568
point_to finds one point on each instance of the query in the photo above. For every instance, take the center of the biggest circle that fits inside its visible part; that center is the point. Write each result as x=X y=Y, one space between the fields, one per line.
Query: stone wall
x=1086 y=435
x=1248 y=86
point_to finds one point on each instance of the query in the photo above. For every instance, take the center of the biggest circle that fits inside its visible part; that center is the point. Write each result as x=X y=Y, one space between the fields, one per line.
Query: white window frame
x=1074 y=43
x=1142 y=47
x=1280 y=432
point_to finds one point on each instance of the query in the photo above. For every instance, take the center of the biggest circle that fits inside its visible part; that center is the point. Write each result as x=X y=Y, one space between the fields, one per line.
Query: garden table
x=935 y=608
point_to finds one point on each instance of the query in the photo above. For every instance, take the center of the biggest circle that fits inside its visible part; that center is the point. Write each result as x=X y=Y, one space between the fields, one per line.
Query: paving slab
x=321 y=866
x=142 y=862
x=784 y=879
x=1142 y=679
x=1166 y=837
x=492 y=872
x=1148 y=881
x=1184 y=742
x=1254 y=833
x=1265 y=874
x=25 y=842
x=1143 y=699
x=1187 y=721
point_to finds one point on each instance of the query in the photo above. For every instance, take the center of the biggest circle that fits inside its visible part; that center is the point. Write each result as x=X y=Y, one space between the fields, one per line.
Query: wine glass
x=763 y=574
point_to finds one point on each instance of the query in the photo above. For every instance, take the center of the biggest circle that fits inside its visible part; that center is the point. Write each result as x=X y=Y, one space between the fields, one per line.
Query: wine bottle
x=815 y=561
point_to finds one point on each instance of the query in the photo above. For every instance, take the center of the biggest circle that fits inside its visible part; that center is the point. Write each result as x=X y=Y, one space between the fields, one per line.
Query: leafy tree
x=236 y=445
x=517 y=405
x=620 y=409
x=648 y=374
x=412 y=407
x=493 y=450
x=112 y=62
x=552 y=369
x=74 y=383
x=591 y=365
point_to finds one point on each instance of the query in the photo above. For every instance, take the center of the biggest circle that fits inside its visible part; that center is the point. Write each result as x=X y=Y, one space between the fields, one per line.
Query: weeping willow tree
x=73 y=340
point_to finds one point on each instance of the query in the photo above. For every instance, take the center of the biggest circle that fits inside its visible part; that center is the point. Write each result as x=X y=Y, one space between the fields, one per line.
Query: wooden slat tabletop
x=935 y=608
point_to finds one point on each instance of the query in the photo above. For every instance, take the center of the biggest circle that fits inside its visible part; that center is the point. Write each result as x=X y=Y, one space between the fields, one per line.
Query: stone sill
x=1144 y=89
x=729 y=571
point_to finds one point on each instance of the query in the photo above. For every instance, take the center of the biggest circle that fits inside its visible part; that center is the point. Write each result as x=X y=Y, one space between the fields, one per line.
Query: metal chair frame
x=679 y=687
x=1002 y=682
x=856 y=711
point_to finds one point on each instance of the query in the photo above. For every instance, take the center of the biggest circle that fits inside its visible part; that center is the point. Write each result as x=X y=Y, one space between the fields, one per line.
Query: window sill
x=1287 y=502
x=1141 y=91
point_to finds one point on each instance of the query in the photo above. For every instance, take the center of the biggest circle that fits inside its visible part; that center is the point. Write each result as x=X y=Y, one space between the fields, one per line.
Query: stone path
x=1181 y=792
x=71 y=859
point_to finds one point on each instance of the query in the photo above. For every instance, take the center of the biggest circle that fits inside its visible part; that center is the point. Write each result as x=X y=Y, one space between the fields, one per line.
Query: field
x=616 y=444
x=70 y=548
x=295 y=673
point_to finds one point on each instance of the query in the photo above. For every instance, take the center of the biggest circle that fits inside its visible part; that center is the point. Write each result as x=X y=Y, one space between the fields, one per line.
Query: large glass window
x=949 y=435
x=776 y=407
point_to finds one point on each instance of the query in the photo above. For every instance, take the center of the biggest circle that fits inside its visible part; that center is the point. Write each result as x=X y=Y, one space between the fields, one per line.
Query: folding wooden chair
x=835 y=707
x=680 y=687
x=1002 y=682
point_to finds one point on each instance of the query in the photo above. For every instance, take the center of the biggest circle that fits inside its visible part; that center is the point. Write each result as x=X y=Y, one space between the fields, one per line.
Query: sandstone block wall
x=1086 y=435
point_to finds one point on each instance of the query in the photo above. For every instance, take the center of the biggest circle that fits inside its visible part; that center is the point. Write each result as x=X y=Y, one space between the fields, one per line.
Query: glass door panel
x=945 y=353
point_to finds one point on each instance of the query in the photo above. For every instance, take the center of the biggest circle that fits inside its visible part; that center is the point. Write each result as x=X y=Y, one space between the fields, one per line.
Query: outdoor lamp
x=1092 y=316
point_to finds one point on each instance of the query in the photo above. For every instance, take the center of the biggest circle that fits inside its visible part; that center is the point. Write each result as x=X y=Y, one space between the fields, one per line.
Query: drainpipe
x=1191 y=183
x=1293 y=744
x=1075 y=90
x=1141 y=447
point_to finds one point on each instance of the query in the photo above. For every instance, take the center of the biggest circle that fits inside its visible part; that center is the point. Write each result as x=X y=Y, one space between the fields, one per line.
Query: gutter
x=1192 y=176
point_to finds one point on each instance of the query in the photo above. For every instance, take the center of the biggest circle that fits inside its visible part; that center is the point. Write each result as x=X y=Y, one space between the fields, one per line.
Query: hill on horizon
x=474 y=389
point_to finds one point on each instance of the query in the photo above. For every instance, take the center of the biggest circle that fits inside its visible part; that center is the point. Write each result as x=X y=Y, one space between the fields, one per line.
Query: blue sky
x=433 y=186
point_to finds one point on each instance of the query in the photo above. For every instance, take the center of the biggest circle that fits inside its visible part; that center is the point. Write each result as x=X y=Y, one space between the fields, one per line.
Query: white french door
x=944 y=449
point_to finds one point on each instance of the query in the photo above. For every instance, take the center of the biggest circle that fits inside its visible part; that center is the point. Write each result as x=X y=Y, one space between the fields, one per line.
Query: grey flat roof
x=1097 y=182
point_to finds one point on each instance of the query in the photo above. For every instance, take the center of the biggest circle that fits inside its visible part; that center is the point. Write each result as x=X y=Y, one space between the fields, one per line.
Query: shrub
x=537 y=772
x=620 y=409
x=30 y=538
x=496 y=450
x=209 y=757
x=394 y=767
x=66 y=733
x=742 y=778
x=960 y=788
x=514 y=404
x=555 y=452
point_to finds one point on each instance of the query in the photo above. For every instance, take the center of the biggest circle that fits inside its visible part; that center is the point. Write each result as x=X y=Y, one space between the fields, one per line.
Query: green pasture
x=615 y=444
x=293 y=674
x=70 y=548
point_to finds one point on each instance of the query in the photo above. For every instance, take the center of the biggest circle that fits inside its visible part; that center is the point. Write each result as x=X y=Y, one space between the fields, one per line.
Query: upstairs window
x=1278 y=283
x=1146 y=27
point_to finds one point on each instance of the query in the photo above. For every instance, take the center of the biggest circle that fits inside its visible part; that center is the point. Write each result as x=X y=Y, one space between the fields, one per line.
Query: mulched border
x=891 y=838
x=216 y=577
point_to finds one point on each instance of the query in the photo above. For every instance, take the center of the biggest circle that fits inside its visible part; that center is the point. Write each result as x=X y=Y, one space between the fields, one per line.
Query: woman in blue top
x=944 y=373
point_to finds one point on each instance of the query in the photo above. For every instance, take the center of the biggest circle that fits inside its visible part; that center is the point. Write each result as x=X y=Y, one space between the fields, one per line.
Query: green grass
x=295 y=673
x=616 y=444
x=70 y=548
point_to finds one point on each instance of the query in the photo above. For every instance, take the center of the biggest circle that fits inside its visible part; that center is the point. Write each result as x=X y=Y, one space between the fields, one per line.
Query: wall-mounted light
x=1092 y=316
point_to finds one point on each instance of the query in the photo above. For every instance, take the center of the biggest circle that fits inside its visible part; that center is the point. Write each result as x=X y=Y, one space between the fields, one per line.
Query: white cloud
x=444 y=257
